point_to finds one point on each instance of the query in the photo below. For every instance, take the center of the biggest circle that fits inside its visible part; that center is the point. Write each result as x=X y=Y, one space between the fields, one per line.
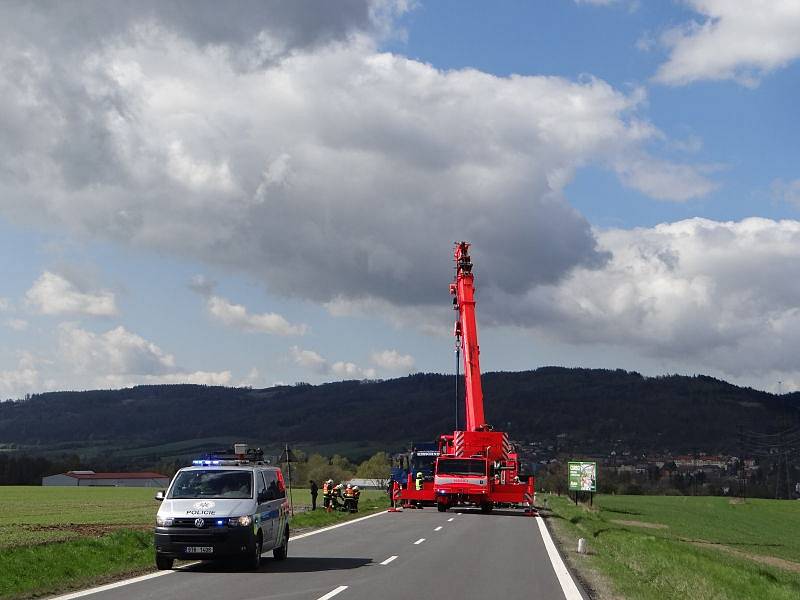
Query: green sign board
x=582 y=476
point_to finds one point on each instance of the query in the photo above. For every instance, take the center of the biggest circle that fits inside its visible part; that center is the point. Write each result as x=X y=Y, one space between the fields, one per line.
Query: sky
x=265 y=193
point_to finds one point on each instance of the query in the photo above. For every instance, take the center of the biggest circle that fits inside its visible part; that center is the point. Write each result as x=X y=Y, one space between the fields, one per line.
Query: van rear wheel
x=441 y=507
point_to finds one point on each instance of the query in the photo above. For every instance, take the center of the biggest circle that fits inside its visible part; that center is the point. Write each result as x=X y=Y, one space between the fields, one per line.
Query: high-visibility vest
x=326 y=489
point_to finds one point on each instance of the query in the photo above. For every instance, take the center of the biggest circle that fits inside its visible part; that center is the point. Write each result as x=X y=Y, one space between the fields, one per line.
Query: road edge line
x=111 y=586
x=565 y=580
x=324 y=529
x=124 y=582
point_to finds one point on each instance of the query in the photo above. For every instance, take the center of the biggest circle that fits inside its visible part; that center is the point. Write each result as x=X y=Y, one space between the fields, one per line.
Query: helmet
x=419 y=474
x=355 y=487
x=349 y=485
x=330 y=480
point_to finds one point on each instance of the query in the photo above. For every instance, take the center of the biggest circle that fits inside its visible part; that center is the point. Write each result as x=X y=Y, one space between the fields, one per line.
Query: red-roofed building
x=92 y=479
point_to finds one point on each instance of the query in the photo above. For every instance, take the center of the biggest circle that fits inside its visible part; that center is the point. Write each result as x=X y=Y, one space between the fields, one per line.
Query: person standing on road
x=419 y=483
x=314 y=491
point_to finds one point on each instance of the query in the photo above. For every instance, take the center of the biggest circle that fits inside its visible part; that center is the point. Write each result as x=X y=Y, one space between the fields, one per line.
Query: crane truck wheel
x=487 y=508
x=441 y=507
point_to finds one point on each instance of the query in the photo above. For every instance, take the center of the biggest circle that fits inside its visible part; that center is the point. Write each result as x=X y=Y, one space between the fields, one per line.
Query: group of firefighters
x=340 y=497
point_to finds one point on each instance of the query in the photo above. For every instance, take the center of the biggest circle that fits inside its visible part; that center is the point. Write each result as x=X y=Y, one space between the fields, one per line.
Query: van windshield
x=213 y=484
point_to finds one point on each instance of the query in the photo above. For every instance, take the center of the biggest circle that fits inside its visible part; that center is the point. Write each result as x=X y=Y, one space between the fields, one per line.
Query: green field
x=665 y=547
x=87 y=536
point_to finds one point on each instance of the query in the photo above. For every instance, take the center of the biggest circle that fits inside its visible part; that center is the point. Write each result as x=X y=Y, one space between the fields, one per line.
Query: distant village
x=627 y=472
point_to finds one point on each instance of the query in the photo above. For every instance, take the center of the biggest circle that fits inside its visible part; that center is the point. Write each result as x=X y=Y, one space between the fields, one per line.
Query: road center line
x=438 y=528
x=450 y=519
x=564 y=578
x=419 y=541
x=388 y=560
x=332 y=593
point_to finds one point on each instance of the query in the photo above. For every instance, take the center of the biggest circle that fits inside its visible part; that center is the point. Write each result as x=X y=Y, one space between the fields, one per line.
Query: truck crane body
x=476 y=466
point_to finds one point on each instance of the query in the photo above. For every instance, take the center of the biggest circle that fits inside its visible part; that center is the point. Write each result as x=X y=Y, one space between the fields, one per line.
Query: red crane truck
x=476 y=466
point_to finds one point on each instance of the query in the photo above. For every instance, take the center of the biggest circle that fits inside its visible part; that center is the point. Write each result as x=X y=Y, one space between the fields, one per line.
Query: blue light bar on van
x=206 y=463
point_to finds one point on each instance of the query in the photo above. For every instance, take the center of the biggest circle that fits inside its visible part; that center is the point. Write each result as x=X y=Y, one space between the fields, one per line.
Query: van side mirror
x=160 y=495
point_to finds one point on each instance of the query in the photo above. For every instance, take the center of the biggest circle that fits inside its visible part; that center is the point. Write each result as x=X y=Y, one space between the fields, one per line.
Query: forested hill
x=588 y=410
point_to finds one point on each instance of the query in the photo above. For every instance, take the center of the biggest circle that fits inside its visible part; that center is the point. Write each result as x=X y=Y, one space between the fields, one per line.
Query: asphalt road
x=466 y=555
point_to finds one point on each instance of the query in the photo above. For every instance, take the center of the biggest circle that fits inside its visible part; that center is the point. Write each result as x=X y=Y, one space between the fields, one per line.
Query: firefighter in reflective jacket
x=327 y=494
x=337 y=495
x=349 y=498
x=356 y=496
x=419 y=481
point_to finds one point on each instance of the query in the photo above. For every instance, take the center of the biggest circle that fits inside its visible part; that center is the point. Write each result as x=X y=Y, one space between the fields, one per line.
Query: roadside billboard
x=582 y=476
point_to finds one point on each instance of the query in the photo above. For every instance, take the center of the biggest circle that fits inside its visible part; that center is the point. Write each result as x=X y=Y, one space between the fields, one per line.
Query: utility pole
x=289 y=477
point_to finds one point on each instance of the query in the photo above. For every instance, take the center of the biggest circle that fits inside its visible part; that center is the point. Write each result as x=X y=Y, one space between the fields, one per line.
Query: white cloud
x=25 y=379
x=786 y=191
x=342 y=172
x=120 y=358
x=350 y=370
x=17 y=324
x=308 y=359
x=236 y=315
x=712 y=296
x=252 y=379
x=115 y=352
x=392 y=360
x=313 y=361
x=53 y=294
x=223 y=378
x=740 y=40
x=202 y=285
x=5 y=304
x=665 y=180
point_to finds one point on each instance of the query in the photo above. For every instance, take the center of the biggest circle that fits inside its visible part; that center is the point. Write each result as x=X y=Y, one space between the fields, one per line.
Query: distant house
x=92 y=479
x=375 y=484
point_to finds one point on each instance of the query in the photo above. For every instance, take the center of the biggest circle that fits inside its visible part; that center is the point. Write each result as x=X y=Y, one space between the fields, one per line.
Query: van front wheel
x=254 y=560
x=164 y=563
x=282 y=551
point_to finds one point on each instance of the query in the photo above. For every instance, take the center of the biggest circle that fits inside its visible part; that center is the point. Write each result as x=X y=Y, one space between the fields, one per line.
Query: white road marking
x=419 y=541
x=316 y=531
x=111 y=586
x=438 y=528
x=564 y=578
x=332 y=593
x=125 y=582
x=450 y=519
x=388 y=560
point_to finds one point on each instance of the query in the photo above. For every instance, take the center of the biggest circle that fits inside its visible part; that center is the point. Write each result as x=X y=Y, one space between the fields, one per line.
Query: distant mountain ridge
x=584 y=410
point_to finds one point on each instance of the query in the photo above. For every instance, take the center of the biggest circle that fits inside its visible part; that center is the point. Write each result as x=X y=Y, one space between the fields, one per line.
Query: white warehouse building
x=92 y=479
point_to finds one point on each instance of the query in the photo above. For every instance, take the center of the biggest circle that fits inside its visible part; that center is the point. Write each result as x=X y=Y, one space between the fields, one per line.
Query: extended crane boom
x=476 y=466
x=466 y=332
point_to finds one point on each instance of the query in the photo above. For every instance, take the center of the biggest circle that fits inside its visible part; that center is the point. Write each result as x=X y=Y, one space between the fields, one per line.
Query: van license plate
x=199 y=549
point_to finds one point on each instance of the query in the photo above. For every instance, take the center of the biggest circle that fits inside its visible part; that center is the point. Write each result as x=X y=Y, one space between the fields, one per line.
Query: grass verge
x=54 y=540
x=33 y=571
x=648 y=548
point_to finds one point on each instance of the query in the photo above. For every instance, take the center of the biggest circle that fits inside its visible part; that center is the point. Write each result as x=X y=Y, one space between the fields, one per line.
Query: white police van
x=224 y=505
